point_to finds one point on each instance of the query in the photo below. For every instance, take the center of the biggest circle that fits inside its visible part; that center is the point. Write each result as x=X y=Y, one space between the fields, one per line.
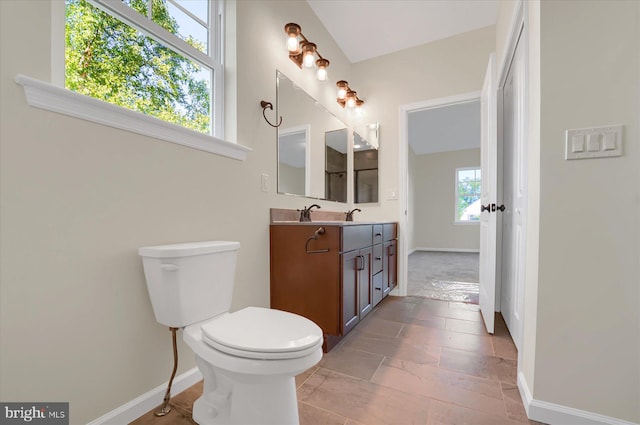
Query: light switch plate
x=596 y=142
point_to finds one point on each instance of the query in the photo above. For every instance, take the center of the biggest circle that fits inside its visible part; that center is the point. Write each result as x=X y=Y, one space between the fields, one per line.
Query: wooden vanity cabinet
x=334 y=280
x=389 y=258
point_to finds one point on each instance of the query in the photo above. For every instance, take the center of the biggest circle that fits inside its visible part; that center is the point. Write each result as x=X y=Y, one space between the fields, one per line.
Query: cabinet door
x=351 y=264
x=377 y=288
x=377 y=259
x=365 y=286
x=390 y=267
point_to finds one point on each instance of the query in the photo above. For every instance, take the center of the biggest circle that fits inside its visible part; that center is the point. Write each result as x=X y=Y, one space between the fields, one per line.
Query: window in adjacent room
x=158 y=57
x=468 y=191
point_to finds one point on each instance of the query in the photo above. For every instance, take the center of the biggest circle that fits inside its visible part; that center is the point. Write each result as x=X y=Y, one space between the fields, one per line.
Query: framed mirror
x=335 y=168
x=365 y=164
x=302 y=140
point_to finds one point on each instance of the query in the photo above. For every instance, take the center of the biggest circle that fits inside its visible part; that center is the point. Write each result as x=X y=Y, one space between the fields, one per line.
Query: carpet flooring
x=446 y=276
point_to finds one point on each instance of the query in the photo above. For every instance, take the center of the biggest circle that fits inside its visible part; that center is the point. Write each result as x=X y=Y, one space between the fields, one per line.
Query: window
x=158 y=57
x=468 y=191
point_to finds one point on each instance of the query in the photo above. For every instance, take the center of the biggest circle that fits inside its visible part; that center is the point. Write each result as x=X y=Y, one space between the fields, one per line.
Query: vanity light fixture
x=348 y=98
x=303 y=52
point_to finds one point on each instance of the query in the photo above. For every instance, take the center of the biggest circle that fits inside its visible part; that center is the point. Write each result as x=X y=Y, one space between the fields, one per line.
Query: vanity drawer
x=390 y=231
x=377 y=233
x=356 y=237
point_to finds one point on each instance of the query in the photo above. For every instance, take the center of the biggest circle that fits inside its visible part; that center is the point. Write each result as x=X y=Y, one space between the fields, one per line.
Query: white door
x=489 y=166
x=513 y=195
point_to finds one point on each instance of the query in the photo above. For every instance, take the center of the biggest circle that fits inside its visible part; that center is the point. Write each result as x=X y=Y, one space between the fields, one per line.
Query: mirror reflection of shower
x=336 y=146
x=365 y=164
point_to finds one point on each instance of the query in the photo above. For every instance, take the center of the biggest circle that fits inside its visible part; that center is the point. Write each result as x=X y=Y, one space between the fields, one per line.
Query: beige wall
x=582 y=331
x=78 y=199
x=447 y=67
x=433 y=178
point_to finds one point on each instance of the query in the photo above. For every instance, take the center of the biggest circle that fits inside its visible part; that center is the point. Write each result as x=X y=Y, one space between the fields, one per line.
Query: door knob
x=487 y=208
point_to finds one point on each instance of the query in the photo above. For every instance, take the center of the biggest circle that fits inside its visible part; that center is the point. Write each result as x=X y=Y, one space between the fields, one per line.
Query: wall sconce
x=348 y=98
x=303 y=52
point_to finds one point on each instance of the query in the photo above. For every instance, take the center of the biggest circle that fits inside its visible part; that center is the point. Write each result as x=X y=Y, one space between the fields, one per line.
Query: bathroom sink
x=324 y=222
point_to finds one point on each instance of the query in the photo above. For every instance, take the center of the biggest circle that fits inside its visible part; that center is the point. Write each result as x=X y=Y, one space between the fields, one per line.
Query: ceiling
x=447 y=128
x=365 y=29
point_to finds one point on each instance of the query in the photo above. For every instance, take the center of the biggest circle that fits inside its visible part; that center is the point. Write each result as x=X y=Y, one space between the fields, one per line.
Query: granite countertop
x=289 y=217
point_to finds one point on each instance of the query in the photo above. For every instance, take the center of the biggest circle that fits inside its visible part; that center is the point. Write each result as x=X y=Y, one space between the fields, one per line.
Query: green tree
x=109 y=60
x=468 y=193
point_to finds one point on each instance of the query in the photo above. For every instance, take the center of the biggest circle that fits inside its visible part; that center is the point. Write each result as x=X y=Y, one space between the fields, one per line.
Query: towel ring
x=319 y=231
x=264 y=104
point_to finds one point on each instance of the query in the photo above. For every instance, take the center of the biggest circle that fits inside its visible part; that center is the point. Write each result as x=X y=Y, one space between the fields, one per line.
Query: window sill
x=56 y=99
x=466 y=223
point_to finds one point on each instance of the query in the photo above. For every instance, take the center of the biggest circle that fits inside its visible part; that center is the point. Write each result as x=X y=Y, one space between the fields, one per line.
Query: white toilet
x=249 y=358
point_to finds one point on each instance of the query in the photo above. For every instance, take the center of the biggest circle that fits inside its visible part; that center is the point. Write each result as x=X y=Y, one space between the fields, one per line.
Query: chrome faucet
x=305 y=214
x=350 y=214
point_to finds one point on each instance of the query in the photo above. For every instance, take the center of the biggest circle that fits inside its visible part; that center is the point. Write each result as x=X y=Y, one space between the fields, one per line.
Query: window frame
x=53 y=96
x=212 y=60
x=457 y=195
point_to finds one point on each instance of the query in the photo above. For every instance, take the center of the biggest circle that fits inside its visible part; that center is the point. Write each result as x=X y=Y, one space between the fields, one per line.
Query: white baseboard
x=444 y=249
x=137 y=407
x=556 y=414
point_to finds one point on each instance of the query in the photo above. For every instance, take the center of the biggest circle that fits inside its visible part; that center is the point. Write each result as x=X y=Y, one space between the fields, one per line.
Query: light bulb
x=342 y=89
x=308 y=60
x=308 y=51
x=292 y=45
x=322 y=64
x=351 y=99
x=292 y=30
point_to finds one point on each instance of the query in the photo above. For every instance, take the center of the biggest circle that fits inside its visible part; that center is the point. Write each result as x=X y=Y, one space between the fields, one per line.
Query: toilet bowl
x=248 y=358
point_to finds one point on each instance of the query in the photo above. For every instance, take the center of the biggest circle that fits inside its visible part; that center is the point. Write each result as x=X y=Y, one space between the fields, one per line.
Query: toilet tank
x=189 y=282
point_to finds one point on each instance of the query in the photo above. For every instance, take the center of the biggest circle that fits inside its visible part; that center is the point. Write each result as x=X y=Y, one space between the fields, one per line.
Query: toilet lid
x=262 y=333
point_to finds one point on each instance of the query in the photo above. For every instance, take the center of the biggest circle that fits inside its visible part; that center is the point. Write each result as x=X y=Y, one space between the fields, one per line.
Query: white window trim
x=456 y=198
x=56 y=99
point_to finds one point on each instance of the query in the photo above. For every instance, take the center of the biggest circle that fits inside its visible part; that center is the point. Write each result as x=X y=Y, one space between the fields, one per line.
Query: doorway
x=516 y=58
x=443 y=178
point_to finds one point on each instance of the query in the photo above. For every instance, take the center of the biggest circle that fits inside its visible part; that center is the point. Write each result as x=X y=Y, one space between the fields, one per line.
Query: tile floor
x=410 y=361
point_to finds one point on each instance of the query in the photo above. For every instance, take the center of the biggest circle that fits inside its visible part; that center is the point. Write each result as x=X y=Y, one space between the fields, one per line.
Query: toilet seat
x=262 y=333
